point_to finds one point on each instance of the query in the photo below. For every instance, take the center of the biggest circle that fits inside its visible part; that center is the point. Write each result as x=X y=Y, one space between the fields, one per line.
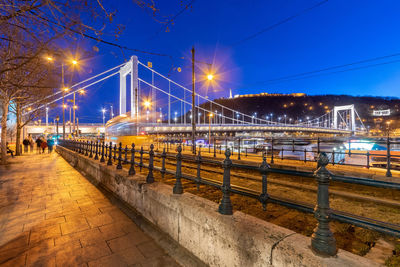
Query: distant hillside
x=300 y=106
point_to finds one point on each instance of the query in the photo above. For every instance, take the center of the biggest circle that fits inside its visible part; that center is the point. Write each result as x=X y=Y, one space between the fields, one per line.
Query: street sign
x=385 y=112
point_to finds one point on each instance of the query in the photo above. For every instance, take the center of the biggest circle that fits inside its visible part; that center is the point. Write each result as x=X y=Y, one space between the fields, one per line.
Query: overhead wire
x=273 y=26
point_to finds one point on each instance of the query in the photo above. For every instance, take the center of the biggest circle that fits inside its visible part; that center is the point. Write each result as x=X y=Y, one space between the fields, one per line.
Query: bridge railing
x=322 y=240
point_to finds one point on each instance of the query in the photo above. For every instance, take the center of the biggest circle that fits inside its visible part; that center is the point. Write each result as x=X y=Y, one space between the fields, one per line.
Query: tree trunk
x=18 y=147
x=18 y=151
x=4 y=132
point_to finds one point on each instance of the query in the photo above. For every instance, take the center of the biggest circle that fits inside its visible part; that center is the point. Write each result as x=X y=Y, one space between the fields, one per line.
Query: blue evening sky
x=335 y=33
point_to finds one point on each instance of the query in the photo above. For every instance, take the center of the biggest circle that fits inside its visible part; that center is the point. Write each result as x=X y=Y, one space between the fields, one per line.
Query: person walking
x=38 y=144
x=26 y=144
x=50 y=144
x=31 y=142
x=43 y=145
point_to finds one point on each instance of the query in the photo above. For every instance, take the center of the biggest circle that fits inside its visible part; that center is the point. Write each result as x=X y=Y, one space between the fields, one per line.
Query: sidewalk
x=50 y=215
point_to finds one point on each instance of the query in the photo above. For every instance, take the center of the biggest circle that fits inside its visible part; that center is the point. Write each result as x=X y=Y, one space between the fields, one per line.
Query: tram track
x=191 y=166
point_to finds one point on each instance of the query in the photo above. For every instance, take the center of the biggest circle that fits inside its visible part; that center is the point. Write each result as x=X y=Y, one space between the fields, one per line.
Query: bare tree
x=29 y=29
x=34 y=86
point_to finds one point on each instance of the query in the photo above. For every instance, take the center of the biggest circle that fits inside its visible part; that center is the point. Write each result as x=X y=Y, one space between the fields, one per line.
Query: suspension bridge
x=160 y=105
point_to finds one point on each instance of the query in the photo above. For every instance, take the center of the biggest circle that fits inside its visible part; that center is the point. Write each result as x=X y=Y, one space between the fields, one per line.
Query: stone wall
x=194 y=223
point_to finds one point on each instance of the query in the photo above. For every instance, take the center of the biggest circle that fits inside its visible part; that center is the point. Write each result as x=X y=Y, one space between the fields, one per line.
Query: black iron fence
x=383 y=152
x=322 y=239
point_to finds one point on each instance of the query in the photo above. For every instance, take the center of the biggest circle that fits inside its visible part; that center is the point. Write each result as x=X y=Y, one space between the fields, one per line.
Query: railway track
x=189 y=169
x=189 y=166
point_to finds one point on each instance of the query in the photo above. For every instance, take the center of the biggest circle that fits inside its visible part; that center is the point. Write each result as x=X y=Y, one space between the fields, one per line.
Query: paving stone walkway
x=50 y=215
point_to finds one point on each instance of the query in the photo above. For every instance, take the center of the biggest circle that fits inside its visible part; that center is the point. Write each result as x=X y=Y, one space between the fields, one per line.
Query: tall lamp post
x=209 y=128
x=57 y=119
x=64 y=89
x=104 y=115
x=194 y=109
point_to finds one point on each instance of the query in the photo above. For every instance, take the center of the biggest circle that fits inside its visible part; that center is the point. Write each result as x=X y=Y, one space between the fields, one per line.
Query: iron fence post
x=263 y=198
x=293 y=145
x=318 y=147
x=150 y=177
x=109 y=162
x=96 y=155
x=282 y=154
x=119 y=165
x=132 y=168
x=272 y=151
x=322 y=240
x=102 y=153
x=115 y=152
x=163 y=157
x=349 y=148
x=215 y=154
x=225 y=207
x=305 y=155
x=333 y=157
x=178 y=189
x=141 y=159
x=87 y=148
x=91 y=150
x=367 y=159
x=388 y=172
x=239 y=149
x=198 y=178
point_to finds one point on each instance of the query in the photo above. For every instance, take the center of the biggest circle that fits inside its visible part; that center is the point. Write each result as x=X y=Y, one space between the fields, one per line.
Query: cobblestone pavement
x=50 y=215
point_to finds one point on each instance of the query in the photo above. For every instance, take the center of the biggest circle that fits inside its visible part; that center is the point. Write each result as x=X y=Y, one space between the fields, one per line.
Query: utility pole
x=194 y=110
x=74 y=107
x=63 y=102
x=47 y=116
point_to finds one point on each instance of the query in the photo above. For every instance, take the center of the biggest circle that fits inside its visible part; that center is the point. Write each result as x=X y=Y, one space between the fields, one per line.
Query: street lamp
x=64 y=89
x=57 y=119
x=104 y=115
x=209 y=77
x=209 y=128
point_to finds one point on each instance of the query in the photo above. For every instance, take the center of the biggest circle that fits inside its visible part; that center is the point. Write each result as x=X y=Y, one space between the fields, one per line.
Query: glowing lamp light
x=66 y=89
x=147 y=104
x=74 y=62
x=49 y=58
x=210 y=77
x=81 y=91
